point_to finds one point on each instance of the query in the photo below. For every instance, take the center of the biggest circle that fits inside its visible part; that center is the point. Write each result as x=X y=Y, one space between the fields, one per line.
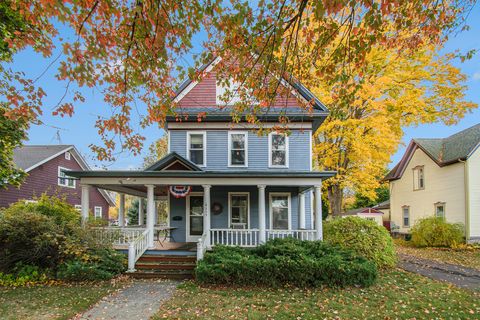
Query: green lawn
x=50 y=302
x=464 y=257
x=397 y=295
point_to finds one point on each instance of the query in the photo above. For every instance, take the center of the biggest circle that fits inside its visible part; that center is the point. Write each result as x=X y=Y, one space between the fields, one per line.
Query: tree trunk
x=335 y=198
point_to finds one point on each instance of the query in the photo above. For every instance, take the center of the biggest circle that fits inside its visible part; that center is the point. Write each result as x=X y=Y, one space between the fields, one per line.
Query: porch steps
x=171 y=266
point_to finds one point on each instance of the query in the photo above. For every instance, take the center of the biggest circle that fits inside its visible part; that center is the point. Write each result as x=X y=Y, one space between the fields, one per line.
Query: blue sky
x=80 y=131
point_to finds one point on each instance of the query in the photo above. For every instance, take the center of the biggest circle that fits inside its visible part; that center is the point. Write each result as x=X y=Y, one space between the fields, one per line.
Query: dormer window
x=278 y=150
x=238 y=149
x=418 y=178
x=196 y=148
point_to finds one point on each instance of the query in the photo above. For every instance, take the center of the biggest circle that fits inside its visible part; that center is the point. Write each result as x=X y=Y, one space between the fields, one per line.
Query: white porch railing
x=202 y=246
x=235 y=237
x=118 y=235
x=137 y=248
x=297 y=234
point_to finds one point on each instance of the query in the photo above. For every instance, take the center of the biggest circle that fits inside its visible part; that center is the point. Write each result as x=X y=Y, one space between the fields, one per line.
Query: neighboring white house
x=438 y=177
x=366 y=213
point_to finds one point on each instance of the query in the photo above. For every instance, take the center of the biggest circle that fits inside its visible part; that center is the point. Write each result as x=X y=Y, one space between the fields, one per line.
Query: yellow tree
x=372 y=104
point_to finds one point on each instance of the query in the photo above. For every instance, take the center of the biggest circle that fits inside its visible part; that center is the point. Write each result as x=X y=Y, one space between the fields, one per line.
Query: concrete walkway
x=462 y=277
x=140 y=300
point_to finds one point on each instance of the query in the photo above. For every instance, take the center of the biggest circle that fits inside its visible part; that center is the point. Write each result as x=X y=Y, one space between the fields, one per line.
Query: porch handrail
x=137 y=248
x=301 y=234
x=235 y=237
x=202 y=246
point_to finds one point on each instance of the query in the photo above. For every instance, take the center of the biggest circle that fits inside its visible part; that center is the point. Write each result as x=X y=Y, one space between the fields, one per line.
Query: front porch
x=248 y=209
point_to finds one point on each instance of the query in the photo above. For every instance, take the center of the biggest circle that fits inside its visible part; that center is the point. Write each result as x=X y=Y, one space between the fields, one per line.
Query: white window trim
x=204 y=133
x=67 y=179
x=409 y=217
x=230 y=208
x=440 y=204
x=230 y=133
x=78 y=207
x=287 y=158
x=95 y=212
x=67 y=155
x=270 y=209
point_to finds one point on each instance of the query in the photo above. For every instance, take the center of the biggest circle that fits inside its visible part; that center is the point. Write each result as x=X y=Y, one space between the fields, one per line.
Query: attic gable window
x=67 y=155
x=238 y=149
x=418 y=178
x=196 y=148
x=278 y=150
x=64 y=180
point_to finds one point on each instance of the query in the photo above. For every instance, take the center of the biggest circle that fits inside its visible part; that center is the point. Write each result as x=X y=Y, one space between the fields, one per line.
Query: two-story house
x=438 y=177
x=225 y=183
x=46 y=166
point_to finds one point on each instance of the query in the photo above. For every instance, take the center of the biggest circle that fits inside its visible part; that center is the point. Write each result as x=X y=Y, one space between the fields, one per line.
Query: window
x=78 y=207
x=239 y=210
x=418 y=178
x=278 y=150
x=196 y=148
x=406 y=216
x=98 y=212
x=238 y=149
x=280 y=211
x=440 y=210
x=67 y=155
x=64 y=180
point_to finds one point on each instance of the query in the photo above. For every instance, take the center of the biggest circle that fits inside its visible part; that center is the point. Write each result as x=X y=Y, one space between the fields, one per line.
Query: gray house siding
x=217 y=150
x=220 y=221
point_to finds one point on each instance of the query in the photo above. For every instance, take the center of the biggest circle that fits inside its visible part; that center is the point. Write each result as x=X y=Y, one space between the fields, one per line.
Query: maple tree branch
x=94 y=7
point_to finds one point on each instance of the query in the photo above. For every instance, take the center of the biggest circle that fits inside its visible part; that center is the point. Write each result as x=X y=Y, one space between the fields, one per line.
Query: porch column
x=206 y=212
x=318 y=212
x=140 y=211
x=302 y=210
x=150 y=213
x=121 y=210
x=155 y=217
x=261 y=214
x=85 y=201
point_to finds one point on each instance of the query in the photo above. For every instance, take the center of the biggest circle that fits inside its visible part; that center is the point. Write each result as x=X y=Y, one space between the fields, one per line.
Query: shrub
x=436 y=232
x=29 y=238
x=23 y=275
x=286 y=262
x=366 y=238
x=47 y=235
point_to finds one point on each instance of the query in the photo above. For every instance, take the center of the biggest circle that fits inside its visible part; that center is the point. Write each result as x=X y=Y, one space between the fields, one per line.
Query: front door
x=194 y=217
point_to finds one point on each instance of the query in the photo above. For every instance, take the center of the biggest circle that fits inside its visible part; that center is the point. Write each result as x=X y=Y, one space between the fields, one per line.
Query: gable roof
x=29 y=157
x=443 y=151
x=296 y=85
x=170 y=159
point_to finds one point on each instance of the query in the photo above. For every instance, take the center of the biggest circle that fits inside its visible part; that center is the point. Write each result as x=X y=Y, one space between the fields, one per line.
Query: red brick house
x=46 y=166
